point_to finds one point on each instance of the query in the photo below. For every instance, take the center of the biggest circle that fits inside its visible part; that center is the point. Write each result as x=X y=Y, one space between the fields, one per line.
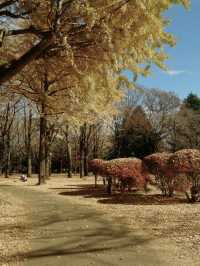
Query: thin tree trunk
x=109 y=186
x=29 y=170
x=29 y=157
x=61 y=165
x=69 y=162
x=7 y=166
x=95 y=142
x=47 y=165
x=76 y=161
x=2 y=154
x=42 y=153
x=85 y=150
x=43 y=150
x=81 y=163
x=68 y=151
x=85 y=161
x=50 y=164
x=86 y=132
x=81 y=166
x=47 y=152
x=95 y=180
x=7 y=162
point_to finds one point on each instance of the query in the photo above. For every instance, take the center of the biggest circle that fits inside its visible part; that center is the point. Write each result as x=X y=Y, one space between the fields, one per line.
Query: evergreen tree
x=192 y=101
x=135 y=135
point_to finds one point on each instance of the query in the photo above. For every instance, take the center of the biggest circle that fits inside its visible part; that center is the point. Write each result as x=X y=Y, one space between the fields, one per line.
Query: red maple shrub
x=128 y=171
x=96 y=167
x=166 y=179
x=187 y=162
x=157 y=162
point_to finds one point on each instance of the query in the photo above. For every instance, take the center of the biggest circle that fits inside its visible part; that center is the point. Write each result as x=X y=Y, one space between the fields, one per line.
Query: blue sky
x=184 y=58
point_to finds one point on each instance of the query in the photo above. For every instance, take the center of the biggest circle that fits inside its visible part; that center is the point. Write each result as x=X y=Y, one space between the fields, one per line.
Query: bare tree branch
x=7 y=3
x=30 y=30
x=7 y=13
x=7 y=71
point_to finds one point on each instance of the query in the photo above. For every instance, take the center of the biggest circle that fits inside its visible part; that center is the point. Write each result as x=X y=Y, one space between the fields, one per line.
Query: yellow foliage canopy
x=94 y=39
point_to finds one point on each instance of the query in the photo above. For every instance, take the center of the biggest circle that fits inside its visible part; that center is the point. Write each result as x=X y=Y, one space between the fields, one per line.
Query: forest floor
x=69 y=222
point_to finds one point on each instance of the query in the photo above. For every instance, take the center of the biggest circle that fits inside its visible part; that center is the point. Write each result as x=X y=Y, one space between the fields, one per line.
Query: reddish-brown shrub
x=166 y=179
x=187 y=161
x=95 y=166
x=157 y=163
x=127 y=170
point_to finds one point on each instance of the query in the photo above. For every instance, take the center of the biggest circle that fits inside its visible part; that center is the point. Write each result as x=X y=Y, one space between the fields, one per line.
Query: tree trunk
x=75 y=161
x=47 y=165
x=87 y=130
x=81 y=166
x=43 y=149
x=69 y=162
x=95 y=142
x=7 y=162
x=47 y=155
x=50 y=163
x=85 y=162
x=68 y=151
x=29 y=157
x=95 y=180
x=81 y=147
x=29 y=170
x=42 y=153
x=7 y=166
x=109 y=186
x=61 y=165
x=2 y=154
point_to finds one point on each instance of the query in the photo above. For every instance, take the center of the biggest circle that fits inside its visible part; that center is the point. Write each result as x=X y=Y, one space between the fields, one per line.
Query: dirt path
x=63 y=233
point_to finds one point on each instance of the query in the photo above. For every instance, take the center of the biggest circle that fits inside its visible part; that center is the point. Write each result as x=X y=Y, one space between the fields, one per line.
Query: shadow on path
x=61 y=233
x=128 y=198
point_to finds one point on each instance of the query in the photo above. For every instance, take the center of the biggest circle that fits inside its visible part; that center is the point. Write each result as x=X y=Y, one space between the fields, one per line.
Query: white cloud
x=175 y=72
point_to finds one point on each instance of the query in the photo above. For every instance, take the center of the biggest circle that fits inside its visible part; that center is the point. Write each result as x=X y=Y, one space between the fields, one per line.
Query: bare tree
x=159 y=107
x=9 y=109
x=185 y=129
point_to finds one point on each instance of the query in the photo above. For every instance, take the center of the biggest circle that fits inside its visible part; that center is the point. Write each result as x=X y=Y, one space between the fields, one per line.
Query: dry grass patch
x=12 y=240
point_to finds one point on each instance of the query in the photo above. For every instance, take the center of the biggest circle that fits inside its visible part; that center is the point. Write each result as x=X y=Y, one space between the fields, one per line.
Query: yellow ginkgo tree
x=90 y=34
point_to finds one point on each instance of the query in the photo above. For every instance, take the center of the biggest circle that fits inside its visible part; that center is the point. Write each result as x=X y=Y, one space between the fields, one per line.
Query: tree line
x=156 y=121
x=147 y=121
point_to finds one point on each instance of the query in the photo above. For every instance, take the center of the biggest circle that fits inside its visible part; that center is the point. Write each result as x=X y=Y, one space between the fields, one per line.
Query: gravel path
x=63 y=232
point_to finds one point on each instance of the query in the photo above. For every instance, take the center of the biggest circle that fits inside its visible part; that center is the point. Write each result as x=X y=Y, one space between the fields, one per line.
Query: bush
x=96 y=167
x=187 y=161
x=128 y=171
x=157 y=164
